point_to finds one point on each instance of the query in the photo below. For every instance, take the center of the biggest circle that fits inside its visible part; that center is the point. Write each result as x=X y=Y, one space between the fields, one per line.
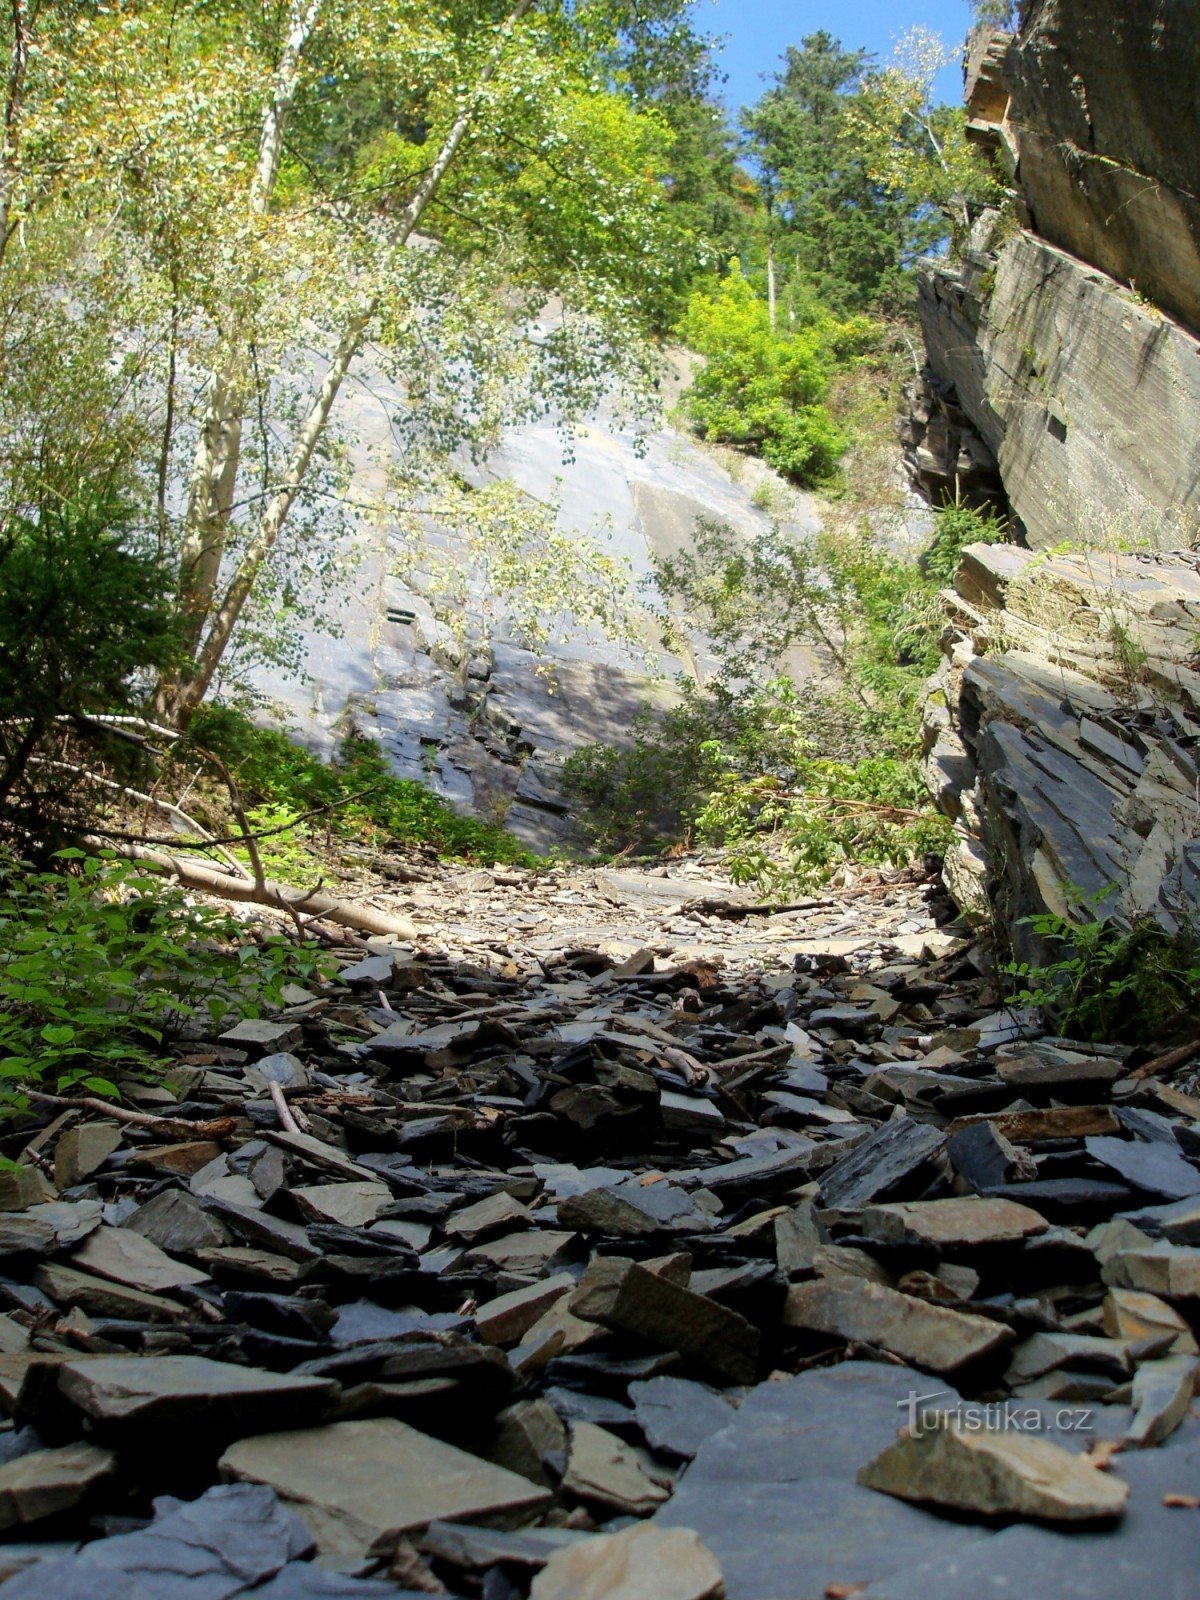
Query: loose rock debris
x=661 y=1252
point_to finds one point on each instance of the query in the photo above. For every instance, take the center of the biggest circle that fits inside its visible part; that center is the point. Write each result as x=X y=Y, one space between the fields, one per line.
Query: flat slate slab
x=677 y=1415
x=932 y=1337
x=773 y=1495
x=127 y=1257
x=370 y=1482
x=190 y=1390
x=1151 y=1553
x=44 y=1482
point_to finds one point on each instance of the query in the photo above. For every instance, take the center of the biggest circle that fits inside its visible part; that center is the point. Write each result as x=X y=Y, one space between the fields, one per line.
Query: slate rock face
x=1063 y=385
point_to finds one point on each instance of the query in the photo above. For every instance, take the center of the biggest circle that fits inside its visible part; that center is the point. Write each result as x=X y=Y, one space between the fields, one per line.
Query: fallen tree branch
x=282 y=1110
x=1164 y=1063
x=240 y=838
x=206 y=879
x=142 y=798
x=173 y=1127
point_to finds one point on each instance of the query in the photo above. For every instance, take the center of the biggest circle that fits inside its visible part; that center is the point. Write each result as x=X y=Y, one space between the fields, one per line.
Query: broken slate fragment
x=624 y=1295
x=1048 y=1067
x=262 y=1037
x=128 y=1257
x=508 y=1318
x=81 y=1150
x=100 y=1297
x=191 y=1391
x=43 y=1483
x=497 y=1213
x=633 y=1210
x=676 y=1415
x=928 y=1336
x=951 y=1224
x=1158 y=1169
x=351 y=1205
x=995 y=1473
x=1162 y=1392
x=175 y=1221
x=639 y=1563
x=281 y=1068
x=362 y=1484
x=224 y=1544
x=984 y=1158
x=892 y=1157
x=601 y=1468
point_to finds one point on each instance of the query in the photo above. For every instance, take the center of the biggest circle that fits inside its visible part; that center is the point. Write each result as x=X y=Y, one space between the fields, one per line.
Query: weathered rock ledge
x=1062 y=733
x=1062 y=347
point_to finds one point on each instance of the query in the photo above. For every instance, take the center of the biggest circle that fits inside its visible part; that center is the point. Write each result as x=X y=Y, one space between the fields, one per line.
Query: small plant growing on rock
x=102 y=965
x=1110 y=982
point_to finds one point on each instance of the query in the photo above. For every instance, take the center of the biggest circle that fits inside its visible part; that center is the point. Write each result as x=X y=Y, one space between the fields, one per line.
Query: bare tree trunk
x=771 y=282
x=283 y=897
x=18 y=64
x=181 y=704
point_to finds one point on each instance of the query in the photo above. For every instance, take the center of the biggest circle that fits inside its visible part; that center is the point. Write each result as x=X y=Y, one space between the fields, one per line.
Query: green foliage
x=372 y=803
x=101 y=965
x=871 y=812
x=838 y=231
x=81 y=615
x=793 y=782
x=639 y=796
x=995 y=13
x=761 y=389
x=80 y=611
x=1110 y=983
x=955 y=527
x=916 y=147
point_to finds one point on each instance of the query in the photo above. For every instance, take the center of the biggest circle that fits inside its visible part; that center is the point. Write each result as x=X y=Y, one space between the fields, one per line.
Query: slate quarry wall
x=1063 y=382
x=1064 y=347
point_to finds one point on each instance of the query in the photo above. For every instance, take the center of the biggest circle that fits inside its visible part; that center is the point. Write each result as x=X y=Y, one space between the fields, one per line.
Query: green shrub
x=955 y=527
x=102 y=964
x=763 y=389
x=874 y=812
x=793 y=782
x=81 y=615
x=373 y=804
x=1110 y=983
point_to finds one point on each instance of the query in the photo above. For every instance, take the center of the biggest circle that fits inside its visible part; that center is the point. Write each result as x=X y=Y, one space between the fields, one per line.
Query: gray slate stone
x=879 y=1168
x=773 y=1495
x=220 y=1546
x=1156 y=1168
x=677 y=1415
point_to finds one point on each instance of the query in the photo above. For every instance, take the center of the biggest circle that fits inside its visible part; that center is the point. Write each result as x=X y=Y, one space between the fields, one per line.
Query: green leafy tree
x=834 y=228
x=257 y=195
x=761 y=389
x=913 y=145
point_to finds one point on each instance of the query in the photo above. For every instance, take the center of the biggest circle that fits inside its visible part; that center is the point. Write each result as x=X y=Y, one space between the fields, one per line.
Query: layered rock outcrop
x=1062 y=732
x=1066 y=338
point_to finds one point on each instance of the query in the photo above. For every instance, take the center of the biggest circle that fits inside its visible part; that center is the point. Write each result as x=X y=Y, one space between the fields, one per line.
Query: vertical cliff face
x=1064 y=348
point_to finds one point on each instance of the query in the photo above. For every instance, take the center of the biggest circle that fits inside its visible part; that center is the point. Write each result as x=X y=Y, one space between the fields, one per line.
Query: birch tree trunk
x=213 y=481
x=217 y=620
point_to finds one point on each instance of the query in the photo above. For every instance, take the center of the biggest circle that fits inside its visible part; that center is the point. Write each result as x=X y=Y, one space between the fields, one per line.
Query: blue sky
x=758 y=31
